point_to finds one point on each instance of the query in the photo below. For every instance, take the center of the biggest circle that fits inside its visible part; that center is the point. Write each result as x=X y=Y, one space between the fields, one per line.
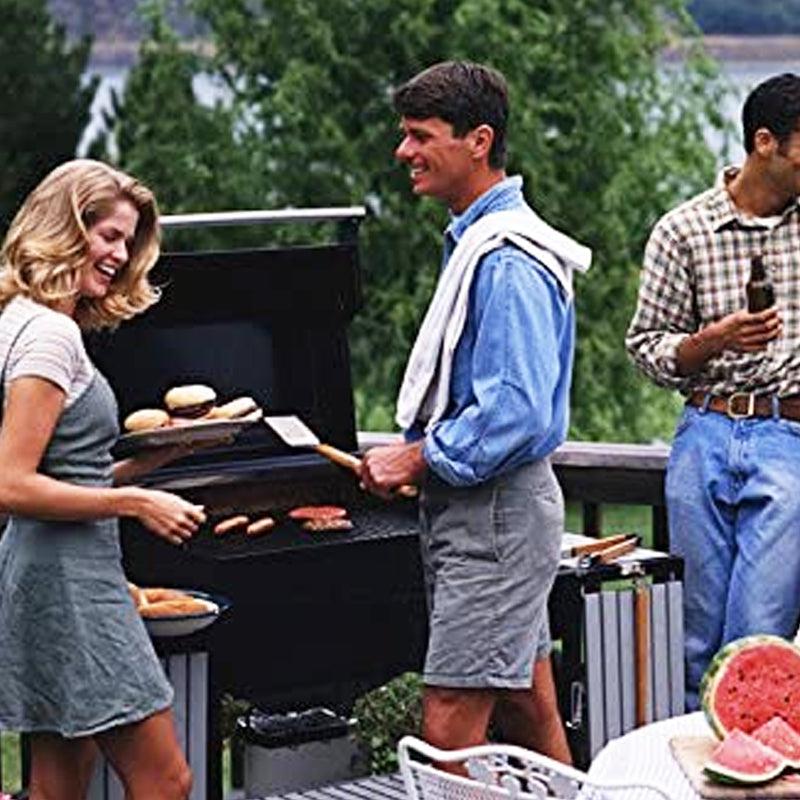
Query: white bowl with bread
x=176 y=612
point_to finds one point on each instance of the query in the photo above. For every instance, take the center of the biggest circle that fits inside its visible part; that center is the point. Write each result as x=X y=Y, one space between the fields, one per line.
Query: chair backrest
x=504 y=772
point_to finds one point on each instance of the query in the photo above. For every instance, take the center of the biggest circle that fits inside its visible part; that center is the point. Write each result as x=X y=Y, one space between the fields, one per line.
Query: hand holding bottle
x=760 y=292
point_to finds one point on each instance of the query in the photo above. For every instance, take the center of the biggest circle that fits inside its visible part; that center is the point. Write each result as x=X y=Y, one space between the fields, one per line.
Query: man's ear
x=482 y=139
x=764 y=142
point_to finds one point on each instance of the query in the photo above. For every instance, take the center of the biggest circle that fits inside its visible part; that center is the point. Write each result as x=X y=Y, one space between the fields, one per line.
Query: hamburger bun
x=193 y=400
x=234 y=409
x=146 y=419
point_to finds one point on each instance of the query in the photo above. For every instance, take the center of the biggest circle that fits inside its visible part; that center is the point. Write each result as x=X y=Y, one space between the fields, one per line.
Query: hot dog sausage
x=231 y=524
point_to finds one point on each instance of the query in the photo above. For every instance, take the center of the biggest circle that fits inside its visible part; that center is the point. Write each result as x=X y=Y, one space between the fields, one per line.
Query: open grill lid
x=270 y=323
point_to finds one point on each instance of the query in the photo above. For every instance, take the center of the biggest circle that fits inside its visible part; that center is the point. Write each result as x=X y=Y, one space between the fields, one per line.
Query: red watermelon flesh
x=755 y=679
x=781 y=737
x=741 y=759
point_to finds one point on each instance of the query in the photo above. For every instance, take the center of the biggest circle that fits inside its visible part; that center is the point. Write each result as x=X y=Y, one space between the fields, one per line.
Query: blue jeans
x=733 y=499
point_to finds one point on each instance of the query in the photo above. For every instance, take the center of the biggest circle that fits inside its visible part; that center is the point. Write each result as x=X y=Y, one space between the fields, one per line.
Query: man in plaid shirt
x=733 y=478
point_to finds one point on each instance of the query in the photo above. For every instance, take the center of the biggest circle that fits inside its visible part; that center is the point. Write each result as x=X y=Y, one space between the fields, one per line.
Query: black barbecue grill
x=315 y=617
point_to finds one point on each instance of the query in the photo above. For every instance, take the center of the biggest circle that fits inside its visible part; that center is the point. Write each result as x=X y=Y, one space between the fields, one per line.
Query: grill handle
x=264 y=217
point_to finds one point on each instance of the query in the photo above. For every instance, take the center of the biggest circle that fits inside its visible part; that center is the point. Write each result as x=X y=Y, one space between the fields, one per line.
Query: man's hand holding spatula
x=386 y=468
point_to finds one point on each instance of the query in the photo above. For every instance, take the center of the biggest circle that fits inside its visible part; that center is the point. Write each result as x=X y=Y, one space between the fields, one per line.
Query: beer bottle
x=760 y=294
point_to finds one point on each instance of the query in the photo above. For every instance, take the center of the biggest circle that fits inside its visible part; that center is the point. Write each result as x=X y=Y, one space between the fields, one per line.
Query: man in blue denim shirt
x=491 y=509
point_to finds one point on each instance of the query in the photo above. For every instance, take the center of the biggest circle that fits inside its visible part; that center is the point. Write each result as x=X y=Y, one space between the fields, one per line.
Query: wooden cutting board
x=691 y=752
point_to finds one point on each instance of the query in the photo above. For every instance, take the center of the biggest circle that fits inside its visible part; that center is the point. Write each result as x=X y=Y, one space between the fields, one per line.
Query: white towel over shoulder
x=425 y=390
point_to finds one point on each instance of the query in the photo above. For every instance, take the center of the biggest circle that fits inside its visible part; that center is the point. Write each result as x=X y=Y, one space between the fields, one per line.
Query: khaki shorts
x=490 y=554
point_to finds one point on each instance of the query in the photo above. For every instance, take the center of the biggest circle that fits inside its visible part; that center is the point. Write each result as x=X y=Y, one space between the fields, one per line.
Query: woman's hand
x=165 y=514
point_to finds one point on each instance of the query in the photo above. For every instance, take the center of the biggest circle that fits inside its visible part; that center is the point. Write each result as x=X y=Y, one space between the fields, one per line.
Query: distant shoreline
x=123 y=53
x=753 y=48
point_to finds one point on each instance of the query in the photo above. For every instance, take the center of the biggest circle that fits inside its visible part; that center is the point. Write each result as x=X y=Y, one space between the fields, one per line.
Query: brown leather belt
x=742 y=405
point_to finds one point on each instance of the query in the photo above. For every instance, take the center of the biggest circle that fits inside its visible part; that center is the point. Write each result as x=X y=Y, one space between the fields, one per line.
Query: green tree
x=159 y=130
x=606 y=136
x=45 y=102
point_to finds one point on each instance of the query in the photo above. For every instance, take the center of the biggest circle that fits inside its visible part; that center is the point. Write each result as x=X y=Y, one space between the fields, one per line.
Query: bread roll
x=193 y=400
x=146 y=419
x=137 y=594
x=157 y=595
x=178 y=608
x=234 y=409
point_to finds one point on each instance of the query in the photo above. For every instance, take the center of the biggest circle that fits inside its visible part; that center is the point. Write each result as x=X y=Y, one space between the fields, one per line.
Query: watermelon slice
x=741 y=759
x=780 y=736
x=749 y=682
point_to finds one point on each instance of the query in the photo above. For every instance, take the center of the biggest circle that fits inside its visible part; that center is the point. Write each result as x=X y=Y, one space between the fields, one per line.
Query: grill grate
x=369 y=524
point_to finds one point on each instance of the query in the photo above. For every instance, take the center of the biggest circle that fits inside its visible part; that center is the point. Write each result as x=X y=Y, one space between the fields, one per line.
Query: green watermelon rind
x=718 y=666
x=722 y=774
x=720 y=769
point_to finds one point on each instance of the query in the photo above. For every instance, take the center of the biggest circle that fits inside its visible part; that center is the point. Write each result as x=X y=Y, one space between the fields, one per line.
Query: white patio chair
x=505 y=772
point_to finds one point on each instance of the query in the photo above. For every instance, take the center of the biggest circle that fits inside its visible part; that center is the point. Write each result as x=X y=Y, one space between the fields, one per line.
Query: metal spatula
x=296 y=433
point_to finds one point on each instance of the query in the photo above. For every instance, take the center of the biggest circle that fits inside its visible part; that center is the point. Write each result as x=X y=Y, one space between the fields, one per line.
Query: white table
x=644 y=755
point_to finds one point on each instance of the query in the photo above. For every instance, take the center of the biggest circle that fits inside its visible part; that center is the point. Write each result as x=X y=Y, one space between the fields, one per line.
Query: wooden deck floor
x=375 y=787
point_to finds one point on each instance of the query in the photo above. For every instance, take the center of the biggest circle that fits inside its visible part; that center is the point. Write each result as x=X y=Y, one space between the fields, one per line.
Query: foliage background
x=45 y=105
x=606 y=133
x=606 y=136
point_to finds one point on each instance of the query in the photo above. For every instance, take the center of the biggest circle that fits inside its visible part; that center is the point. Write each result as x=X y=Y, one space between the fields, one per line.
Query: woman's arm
x=29 y=419
x=129 y=469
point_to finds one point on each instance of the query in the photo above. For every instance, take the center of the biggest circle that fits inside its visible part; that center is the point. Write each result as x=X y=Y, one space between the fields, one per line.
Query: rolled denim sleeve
x=519 y=315
x=665 y=313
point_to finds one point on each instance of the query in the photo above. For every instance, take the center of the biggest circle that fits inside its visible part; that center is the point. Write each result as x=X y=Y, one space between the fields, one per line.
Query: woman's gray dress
x=75 y=657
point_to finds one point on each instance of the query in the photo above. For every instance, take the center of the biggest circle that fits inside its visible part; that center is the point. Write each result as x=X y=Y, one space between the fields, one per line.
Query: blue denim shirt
x=509 y=391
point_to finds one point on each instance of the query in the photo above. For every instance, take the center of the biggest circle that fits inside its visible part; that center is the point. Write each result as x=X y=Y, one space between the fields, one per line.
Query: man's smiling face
x=441 y=164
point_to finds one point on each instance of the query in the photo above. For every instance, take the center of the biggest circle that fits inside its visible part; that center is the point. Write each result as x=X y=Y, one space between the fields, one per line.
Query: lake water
x=743 y=75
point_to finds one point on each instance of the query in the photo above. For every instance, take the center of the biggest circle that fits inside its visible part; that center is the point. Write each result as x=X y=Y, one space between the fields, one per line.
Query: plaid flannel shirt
x=696 y=266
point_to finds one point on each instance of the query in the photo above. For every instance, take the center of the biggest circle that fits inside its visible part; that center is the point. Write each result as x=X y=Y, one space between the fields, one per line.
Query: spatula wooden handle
x=340 y=457
x=349 y=461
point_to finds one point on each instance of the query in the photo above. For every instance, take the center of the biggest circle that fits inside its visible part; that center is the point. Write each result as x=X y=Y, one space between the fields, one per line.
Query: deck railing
x=597 y=474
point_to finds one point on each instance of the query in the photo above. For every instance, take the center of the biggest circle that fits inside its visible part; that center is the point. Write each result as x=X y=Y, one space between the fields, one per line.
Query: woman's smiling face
x=109 y=245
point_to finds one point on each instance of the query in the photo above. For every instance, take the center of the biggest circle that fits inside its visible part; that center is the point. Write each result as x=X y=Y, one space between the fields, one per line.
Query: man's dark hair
x=463 y=94
x=774 y=105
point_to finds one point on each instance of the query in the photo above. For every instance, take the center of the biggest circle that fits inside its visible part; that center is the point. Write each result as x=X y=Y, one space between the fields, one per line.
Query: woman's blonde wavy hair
x=47 y=244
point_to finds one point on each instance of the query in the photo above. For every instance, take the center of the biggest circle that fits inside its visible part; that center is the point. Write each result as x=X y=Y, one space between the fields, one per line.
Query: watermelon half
x=750 y=681
x=741 y=759
x=780 y=736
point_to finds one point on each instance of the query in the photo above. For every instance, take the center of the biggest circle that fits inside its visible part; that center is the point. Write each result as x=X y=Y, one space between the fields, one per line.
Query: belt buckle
x=751 y=405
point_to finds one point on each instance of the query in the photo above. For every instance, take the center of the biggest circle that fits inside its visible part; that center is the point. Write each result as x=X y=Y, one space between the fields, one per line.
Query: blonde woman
x=77 y=670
